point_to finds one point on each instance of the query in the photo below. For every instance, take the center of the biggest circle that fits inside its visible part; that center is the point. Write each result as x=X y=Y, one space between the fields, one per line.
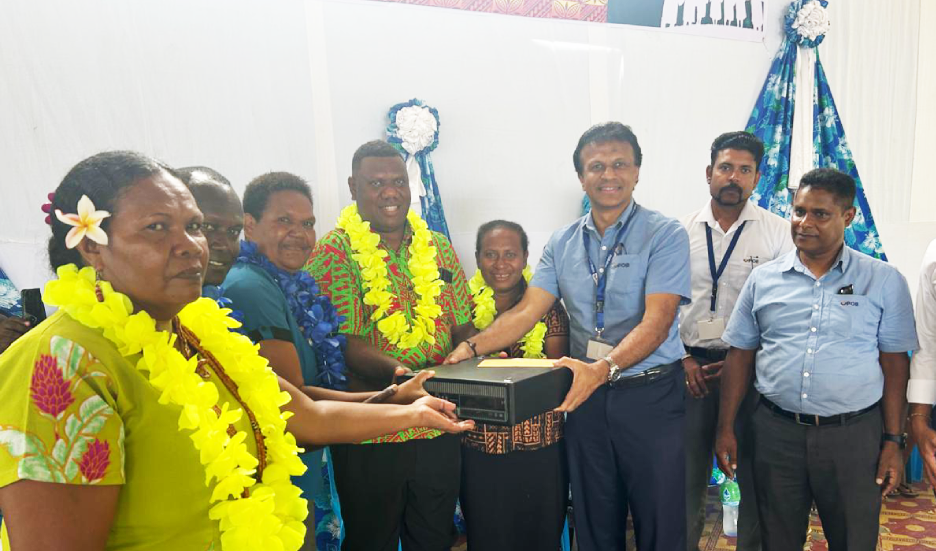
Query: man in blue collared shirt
x=830 y=329
x=625 y=426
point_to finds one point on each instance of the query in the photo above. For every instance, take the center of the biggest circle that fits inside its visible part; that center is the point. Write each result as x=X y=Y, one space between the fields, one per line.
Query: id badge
x=711 y=329
x=598 y=349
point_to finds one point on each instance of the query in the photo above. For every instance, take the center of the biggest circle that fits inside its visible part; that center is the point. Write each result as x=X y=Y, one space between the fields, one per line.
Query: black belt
x=815 y=420
x=710 y=354
x=645 y=377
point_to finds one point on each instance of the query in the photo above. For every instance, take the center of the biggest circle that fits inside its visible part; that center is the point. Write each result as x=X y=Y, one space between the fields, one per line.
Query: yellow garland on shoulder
x=422 y=265
x=485 y=312
x=271 y=515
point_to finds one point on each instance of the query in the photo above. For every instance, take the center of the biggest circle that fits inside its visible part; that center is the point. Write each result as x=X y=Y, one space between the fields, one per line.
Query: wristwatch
x=899 y=439
x=613 y=368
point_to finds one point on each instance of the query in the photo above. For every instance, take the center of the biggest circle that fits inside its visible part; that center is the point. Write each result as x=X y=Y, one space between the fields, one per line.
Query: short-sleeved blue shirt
x=267 y=317
x=818 y=349
x=654 y=259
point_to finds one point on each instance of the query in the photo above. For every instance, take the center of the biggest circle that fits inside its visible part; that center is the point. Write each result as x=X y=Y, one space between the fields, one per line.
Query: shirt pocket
x=736 y=273
x=848 y=316
x=626 y=284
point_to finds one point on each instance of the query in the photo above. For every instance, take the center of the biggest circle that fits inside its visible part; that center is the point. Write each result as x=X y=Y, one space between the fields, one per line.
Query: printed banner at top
x=736 y=19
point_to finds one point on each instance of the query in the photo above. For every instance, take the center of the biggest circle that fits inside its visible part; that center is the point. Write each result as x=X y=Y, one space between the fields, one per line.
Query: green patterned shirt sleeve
x=339 y=278
x=459 y=304
x=57 y=415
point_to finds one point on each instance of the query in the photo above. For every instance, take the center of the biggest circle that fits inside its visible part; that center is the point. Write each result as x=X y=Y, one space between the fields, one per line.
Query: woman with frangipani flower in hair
x=133 y=418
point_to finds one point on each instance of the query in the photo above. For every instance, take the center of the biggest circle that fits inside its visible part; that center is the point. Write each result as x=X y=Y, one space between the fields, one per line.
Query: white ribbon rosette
x=417 y=128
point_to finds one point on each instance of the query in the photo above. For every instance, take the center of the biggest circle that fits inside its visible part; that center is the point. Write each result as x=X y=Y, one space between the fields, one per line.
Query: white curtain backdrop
x=247 y=87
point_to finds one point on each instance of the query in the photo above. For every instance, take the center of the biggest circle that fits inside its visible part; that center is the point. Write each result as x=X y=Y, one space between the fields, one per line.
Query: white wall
x=247 y=87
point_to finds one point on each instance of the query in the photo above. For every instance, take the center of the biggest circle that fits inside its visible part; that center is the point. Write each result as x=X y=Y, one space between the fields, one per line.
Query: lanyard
x=601 y=278
x=724 y=262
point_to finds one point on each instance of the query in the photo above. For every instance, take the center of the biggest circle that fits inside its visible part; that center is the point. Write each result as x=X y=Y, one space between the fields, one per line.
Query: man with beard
x=728 y=237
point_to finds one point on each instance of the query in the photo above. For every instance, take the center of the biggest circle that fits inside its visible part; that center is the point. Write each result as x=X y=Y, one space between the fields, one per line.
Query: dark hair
x=259 y=190
x=742 y=141
x=375 y=148
x=488 y=227
x=195 y=175
x=603 y=133
x=836 y=182
x=103 y=178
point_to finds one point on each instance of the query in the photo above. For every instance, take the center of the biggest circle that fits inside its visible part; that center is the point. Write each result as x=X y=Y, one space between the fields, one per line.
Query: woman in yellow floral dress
x=132 y=418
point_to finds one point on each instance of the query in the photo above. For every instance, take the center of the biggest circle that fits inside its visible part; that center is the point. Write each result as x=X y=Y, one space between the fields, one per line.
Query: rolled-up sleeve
x=922 y=386
x=743 y=331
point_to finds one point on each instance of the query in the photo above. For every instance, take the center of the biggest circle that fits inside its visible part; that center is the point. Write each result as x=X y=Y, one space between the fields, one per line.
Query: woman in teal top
x=278 y=304
x=256 y=295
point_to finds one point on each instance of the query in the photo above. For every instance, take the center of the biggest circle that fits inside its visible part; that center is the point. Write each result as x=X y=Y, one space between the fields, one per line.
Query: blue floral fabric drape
x=772 y=121
x=431 y=202
x=9 y=297
x=832 y=151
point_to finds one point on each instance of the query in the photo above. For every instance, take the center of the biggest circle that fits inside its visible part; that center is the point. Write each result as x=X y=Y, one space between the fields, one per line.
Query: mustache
x=730 y=187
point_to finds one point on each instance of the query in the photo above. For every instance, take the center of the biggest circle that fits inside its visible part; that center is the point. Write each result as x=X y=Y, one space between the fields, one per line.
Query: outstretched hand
x=437 y=413
x=411 y=390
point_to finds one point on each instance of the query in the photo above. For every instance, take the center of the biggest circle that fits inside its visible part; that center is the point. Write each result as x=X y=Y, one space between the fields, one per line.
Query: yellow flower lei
x=485 y=311
x=271 y=517
x=422 y=265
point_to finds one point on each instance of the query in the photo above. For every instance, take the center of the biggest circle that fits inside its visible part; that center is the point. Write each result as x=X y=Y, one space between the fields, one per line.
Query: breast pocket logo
x=848 y=303
x=622 y=265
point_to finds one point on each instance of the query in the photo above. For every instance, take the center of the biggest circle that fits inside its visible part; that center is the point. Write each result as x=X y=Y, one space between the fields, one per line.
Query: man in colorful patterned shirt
x=413 y=475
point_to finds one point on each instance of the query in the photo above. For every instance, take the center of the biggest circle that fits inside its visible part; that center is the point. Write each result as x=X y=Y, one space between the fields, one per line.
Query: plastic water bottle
x=718 y=477
x=730 y=498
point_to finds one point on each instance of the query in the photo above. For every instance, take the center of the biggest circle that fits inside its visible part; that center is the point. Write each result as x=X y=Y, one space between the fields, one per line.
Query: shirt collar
x=844 y=258
x=405 y=243
x=786 y=262
x=748 y=212
x=589 y=222
x=792 y=261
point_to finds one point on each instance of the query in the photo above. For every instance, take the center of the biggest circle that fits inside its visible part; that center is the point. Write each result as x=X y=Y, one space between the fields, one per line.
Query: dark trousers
x=515 y=501
x=402 y=493
x=833 y=465
x=701 y=422
x=626 y=451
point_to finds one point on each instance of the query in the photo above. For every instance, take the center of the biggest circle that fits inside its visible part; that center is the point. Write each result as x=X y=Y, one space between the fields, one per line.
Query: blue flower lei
x=216 y=293
x=316 y=316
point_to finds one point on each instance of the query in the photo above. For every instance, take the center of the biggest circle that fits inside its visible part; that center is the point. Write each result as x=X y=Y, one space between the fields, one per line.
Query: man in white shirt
x=921 y=390
x=728 y=238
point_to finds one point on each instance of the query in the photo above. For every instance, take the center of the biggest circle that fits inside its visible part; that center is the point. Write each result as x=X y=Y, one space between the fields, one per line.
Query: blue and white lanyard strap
x=716 y=273
x=601 y=278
